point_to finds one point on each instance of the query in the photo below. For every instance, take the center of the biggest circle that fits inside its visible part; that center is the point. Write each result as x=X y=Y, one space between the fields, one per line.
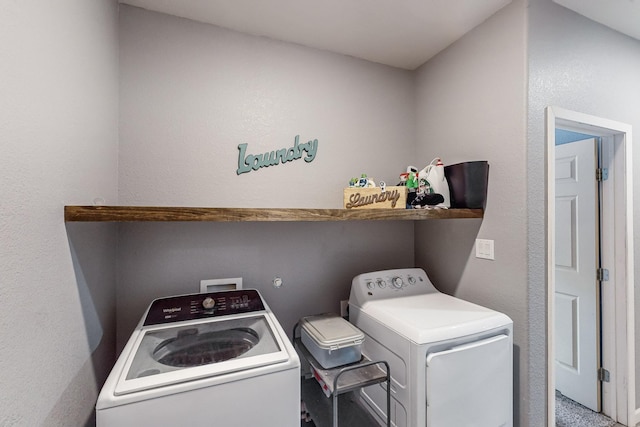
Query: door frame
x=618 y=396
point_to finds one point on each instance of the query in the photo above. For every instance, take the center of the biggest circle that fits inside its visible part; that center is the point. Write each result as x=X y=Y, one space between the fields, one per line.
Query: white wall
x=58 y=127
x=471 y=105
x=190 y=93
x=583 y=66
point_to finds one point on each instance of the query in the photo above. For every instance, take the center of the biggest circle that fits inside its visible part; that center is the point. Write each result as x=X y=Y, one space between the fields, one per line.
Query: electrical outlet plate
x=343 y=307
x=215 y=285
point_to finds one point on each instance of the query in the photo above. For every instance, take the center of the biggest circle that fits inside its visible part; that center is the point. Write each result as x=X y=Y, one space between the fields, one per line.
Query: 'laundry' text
x=356 y=199
x=249 y=162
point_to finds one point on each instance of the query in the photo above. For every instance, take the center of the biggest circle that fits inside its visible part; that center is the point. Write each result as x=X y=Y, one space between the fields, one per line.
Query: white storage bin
x=331 y=340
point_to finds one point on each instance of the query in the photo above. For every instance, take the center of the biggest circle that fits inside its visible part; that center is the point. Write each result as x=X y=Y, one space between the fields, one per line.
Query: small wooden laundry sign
x=375 y=198
x=253 y=162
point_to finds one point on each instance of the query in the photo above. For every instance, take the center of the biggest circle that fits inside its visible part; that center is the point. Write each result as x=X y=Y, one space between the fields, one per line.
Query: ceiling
x=403 y=34
x=621 y=15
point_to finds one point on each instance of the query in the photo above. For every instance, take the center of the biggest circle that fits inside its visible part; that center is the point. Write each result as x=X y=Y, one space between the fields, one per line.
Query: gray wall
x=188 y=98
x=471 y=104
x=315 y=261
x=579 y=65
x=58 y=127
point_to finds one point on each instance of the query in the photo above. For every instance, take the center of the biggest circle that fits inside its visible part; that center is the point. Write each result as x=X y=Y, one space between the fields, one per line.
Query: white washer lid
x=434 y=317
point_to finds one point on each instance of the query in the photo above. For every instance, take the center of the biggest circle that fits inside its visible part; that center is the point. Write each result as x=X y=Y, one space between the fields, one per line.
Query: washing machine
x=451 y=361
x=207 y=359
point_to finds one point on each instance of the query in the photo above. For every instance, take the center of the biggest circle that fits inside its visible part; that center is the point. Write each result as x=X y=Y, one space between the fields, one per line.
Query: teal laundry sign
x=252 y=162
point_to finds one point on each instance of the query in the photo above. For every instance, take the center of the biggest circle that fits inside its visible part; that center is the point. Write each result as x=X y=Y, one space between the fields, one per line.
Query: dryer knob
x=208 y=303
x=397 y=282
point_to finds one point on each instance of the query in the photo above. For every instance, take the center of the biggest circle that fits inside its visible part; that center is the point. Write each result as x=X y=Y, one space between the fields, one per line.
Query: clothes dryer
x=451 y=361
x=202 y=360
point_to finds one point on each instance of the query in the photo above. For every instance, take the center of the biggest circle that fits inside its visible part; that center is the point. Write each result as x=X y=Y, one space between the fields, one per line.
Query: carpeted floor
x=568 y=414
x=572 y=414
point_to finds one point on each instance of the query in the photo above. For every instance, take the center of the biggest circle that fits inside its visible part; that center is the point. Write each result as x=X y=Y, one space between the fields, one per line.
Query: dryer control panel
x=204 y=305
x=389 y=284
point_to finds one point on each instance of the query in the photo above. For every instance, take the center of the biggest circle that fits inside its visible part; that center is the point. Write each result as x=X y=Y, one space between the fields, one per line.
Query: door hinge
x=602 y=274
x=602 y=174
x=603 y=375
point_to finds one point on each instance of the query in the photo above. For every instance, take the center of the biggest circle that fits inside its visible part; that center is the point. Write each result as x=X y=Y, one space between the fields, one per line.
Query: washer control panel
x=199 y=306
x=390 y=283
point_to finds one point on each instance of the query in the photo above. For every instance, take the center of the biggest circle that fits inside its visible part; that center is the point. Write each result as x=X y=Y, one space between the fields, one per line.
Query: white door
x=577 y=331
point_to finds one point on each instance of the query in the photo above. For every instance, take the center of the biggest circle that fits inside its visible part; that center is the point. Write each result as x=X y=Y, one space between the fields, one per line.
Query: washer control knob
x=370 y=285
x=381 y=283
x=208 y=303
x=397 y=282
x=412 y=280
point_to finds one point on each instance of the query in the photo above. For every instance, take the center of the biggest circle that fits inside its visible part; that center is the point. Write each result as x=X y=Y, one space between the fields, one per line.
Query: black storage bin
x=468 y=184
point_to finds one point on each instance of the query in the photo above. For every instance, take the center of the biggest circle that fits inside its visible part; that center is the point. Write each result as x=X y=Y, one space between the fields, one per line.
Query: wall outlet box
x=215 y=285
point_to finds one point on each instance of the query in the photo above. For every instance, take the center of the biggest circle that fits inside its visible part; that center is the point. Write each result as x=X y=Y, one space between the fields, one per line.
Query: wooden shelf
x=159 y=213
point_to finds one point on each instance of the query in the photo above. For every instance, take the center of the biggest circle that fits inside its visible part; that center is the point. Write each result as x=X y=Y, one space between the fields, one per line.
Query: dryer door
x=471 y=385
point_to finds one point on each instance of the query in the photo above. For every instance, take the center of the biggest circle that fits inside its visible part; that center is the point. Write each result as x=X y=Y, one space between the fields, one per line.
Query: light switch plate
x=484 y=249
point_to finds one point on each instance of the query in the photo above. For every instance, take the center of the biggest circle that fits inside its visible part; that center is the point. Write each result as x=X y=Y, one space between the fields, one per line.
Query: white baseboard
x=636 y=418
